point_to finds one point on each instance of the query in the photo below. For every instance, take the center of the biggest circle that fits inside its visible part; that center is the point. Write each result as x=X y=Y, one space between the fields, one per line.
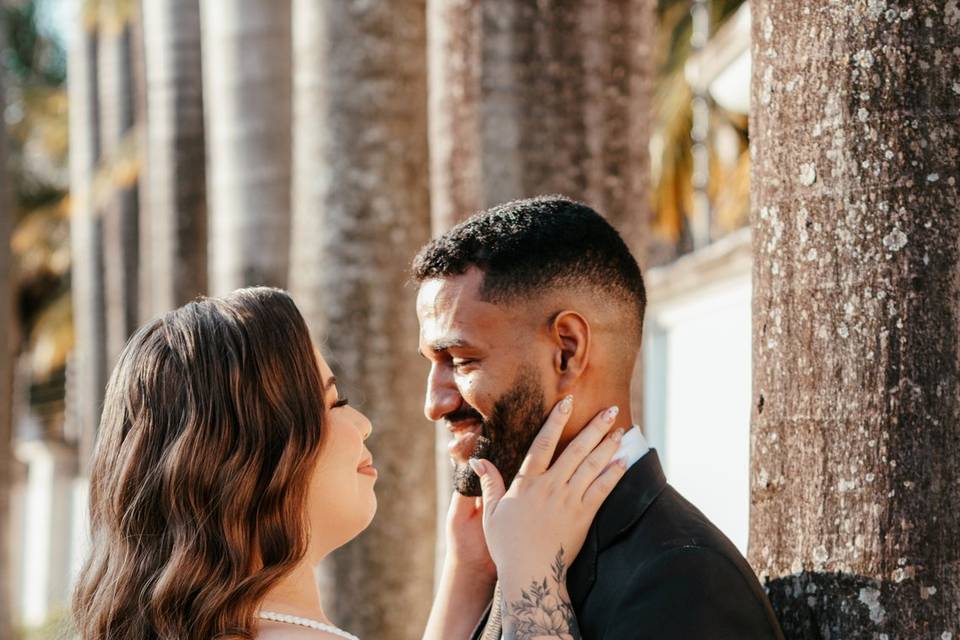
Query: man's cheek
x=476 y=394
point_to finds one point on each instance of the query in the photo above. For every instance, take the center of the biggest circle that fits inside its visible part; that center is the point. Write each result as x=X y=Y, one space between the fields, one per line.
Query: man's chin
x=466 y=482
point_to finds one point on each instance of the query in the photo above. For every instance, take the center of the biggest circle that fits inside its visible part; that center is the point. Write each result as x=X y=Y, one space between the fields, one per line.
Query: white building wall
x=45 y=541
x=697 y=357
x=15 y=531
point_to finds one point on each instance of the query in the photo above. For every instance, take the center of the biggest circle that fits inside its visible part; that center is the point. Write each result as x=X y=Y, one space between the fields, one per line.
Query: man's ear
x=570 y=332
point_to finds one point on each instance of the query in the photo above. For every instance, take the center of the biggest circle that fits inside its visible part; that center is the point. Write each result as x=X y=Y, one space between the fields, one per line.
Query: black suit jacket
x=653 y=566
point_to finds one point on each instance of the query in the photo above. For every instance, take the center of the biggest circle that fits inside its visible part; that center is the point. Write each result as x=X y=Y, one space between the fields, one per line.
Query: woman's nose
x=365 y=427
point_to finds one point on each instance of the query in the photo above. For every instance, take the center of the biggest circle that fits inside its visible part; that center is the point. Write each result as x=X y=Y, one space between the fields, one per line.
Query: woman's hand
x=535 y=528
x=468 y=574
x=466 y=545
x=549 y=508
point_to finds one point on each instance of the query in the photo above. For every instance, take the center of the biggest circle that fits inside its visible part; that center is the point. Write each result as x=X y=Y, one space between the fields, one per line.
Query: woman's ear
x=570 y=332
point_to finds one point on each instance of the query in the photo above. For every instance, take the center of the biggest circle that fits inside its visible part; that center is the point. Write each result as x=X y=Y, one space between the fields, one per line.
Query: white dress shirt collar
x=633 y=446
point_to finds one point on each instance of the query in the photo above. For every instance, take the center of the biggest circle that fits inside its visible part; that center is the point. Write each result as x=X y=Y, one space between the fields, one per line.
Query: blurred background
x=156 y=151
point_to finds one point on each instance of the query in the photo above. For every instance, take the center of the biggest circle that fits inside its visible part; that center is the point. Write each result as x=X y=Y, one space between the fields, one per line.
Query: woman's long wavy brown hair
x=211 y=426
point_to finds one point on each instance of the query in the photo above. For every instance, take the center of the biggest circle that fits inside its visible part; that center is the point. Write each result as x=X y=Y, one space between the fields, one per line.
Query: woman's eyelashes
x=341 y=402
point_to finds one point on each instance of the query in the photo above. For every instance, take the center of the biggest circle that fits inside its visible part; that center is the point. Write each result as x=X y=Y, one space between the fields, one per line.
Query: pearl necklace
x=305 y=622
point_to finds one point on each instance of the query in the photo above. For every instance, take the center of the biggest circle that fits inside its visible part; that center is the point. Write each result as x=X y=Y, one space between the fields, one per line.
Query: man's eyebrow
x=452 y=343
x=443 y=345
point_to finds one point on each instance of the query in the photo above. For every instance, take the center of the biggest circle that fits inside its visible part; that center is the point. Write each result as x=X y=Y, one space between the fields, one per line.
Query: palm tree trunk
x=247 y=92
x=516 y=111
x=361 y=211
x=856 y=422
x=174 y=206
x=6 y=380
x=118 y=181
x=87 y=277
x=455 y=57
x=537 y=97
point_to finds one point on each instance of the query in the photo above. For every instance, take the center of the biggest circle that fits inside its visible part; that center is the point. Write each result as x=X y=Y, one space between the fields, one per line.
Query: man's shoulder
x=673 y=561
x=674 y=528
x=673 y=521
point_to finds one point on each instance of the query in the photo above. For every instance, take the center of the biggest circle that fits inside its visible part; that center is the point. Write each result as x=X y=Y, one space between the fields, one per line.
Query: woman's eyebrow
x=330 y=382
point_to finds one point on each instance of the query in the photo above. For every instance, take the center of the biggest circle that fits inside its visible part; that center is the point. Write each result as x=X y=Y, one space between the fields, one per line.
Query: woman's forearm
x=462 y=596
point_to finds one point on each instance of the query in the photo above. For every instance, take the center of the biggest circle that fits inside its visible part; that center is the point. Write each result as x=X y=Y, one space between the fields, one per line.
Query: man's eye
x=461 y=362
x=341 y=402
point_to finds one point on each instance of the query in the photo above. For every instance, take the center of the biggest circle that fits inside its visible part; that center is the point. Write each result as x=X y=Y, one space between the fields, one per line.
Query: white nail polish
x=477 y=467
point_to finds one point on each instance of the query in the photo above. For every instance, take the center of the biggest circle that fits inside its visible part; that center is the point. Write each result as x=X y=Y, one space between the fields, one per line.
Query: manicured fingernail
x=617 y=435
x=478 y=467
x=611 y=414
x=566 y=405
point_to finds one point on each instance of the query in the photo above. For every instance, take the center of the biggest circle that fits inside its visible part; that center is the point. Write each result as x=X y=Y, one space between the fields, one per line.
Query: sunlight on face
x=341 y=501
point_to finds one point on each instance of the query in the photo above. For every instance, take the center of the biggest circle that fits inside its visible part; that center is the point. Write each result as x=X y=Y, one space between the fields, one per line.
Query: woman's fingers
x=541 y=451
x=491 y=484
x=595 y=463
x=585 y=442
x=598 y=491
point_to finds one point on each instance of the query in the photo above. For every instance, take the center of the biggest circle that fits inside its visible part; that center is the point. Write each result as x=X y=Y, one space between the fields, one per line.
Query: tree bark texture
x=539 y=97
x=6 y=379
x=175 y=205
x=855 y=472
x=86 y=275
x=247 y=92
x=361 y=211
x=118 y=187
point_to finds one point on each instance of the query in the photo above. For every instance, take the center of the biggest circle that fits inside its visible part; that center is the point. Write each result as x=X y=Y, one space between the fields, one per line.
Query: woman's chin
x=368 y=517
x=372 y=512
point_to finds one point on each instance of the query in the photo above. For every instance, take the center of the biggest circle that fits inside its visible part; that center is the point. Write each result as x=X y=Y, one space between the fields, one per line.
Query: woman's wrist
x=462 y=596
x=481 y=576
x=521 y=571
x=478 y=568
x=536 y=601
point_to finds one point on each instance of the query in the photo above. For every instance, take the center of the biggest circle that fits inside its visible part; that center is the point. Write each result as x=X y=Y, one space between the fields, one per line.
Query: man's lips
x=464 y=440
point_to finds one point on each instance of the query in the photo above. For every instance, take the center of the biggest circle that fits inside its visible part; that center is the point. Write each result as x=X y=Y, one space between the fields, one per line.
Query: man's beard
x=507 y=434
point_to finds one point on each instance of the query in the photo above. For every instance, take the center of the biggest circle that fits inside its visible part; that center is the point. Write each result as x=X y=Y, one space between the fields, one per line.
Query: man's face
x=485 y=384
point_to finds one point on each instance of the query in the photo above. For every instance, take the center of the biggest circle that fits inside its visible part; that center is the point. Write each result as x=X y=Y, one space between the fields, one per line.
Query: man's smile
x=464 y=442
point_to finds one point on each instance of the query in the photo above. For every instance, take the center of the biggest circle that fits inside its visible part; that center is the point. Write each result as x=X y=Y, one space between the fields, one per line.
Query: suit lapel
x=636 y=491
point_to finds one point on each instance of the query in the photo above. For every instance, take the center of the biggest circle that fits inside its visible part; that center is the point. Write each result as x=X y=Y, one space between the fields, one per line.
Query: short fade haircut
x=530 y=246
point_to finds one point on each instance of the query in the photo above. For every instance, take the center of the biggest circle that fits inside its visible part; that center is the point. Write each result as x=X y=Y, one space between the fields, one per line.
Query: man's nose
x=442 y=394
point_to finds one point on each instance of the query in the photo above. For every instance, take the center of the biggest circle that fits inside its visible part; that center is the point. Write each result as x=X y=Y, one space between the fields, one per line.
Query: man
x=520 y=306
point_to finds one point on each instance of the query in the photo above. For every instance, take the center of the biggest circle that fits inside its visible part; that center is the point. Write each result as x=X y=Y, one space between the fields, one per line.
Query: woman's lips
x=366 y=467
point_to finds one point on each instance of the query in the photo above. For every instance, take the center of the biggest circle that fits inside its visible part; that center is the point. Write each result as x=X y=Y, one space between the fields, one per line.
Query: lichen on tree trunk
x=855 y=473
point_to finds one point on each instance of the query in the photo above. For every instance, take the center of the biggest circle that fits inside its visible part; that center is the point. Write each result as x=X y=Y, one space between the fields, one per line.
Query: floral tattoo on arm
x=543 y=610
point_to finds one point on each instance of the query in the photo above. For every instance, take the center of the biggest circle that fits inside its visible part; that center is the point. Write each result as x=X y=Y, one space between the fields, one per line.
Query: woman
x=228 y=466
